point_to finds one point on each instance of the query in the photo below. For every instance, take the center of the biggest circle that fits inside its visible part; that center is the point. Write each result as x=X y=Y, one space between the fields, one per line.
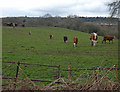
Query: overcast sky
x=36 y=8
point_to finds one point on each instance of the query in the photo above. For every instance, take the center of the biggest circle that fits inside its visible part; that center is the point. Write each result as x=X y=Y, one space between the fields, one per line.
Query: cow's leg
x=105 y=41
x=92 y=43
x=109 y=41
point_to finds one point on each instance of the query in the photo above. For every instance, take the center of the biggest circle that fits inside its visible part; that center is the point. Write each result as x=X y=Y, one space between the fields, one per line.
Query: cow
x=11 y=24
x=110 y=38
x=65 y=39
x=16 y=24
x=7 y=24
x=29 y=32
x=93 y=38
x=23 y=25
x=75 y=41
x=51 y=36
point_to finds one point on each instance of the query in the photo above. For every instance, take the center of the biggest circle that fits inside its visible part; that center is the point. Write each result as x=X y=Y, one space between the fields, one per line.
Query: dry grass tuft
x=95 y=82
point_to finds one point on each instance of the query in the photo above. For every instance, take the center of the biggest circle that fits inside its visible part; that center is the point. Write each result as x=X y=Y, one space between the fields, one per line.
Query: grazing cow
x=93 y=38
x=51 y=36
x=29 y=32
x=75 y=39
x=110 y=38
x=23 y=25
x=16 y=24
x=7 y=24
x=11 y=24
x=65 y=39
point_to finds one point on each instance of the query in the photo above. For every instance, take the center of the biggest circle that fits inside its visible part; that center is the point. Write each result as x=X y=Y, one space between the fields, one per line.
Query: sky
x=38 y=8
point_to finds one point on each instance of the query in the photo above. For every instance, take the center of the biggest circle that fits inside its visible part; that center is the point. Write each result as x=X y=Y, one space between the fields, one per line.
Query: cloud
x=55 y=7
x=75 y=8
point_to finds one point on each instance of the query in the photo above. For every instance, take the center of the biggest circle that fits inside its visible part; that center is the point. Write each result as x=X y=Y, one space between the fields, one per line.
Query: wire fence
x=35 y=72
x=46 y=73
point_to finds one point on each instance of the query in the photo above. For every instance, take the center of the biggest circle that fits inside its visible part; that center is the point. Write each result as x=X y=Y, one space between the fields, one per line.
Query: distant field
x=37 y=48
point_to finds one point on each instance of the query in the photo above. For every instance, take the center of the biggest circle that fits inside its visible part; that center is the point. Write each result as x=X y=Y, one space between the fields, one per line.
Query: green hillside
x=54 y=51
x=37 y=48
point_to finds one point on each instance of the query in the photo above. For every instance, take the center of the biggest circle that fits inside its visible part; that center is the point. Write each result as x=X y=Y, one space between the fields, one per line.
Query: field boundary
x=17 y=69
x=69 y=70
x=77 y=70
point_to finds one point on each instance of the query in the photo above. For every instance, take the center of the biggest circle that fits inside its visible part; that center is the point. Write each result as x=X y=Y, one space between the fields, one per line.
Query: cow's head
x=74 y=44
x=94 y=43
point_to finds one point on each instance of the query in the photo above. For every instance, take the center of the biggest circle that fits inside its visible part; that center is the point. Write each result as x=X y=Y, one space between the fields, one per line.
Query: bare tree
x=114 y=8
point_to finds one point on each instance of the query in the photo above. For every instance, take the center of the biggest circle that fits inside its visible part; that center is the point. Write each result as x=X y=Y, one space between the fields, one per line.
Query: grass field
x=37 y=48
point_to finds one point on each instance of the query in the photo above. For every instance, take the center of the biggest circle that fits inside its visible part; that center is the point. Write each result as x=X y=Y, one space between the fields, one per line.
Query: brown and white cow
x=75 y=39
x=110 y=38
x=51 y=36
x=93 y=38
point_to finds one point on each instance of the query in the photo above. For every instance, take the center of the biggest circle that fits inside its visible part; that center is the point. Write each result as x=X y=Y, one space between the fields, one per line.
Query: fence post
x=58 y=72
x=17 y=73
x=95 y=74
x=69 y=73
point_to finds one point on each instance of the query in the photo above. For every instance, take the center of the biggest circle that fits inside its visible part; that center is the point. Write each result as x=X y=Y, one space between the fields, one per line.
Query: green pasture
x=37 y=48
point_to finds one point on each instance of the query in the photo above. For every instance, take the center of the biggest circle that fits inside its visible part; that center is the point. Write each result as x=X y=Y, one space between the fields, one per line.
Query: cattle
x=16 y=24
x=93 y=38
x=11 y=24
x=110 y=38
x=29 y=32
x=23 y=25
x=7 y=24
x=65 y=39
x=75 y=39
x=51 y=36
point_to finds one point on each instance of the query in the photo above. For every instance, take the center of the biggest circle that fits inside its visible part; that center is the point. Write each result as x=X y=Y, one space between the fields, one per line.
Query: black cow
x=65 y=39
x=29 y=32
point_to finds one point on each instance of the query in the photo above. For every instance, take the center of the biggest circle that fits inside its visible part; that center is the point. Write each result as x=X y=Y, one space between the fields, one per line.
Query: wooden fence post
x=95 y=74
x=69 y=73
x=58 y=72
x=17 y=73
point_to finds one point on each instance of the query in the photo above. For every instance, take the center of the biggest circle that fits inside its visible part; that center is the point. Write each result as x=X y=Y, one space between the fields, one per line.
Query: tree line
x=100 y=25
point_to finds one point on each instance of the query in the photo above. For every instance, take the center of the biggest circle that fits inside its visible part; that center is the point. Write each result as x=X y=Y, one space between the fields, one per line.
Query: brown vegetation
x=95 y=82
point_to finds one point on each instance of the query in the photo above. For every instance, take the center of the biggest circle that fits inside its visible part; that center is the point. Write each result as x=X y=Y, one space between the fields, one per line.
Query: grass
x=37 y=48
